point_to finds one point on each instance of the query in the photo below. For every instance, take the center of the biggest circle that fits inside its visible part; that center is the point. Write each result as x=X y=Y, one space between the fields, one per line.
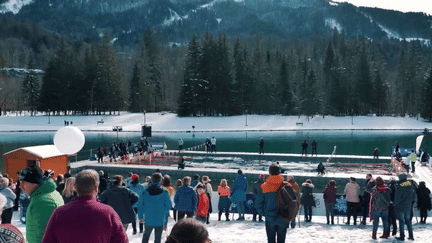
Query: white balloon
x=69 y=140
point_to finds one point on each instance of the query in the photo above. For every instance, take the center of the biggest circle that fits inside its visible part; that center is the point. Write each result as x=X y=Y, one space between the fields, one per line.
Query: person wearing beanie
x=44 y=200
x=404 y=196
x=138 y=188
x=256 y=187
x=307 y=199
x=379 y=207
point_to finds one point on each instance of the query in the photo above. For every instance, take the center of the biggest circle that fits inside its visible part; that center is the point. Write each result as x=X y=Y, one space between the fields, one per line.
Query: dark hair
x=166 y=180
x=309 y=181
x=353 y=178
x=156 y=177
x=239 y=172
x=188 y=230
x=332 y=183
x=274 y=169
x=117 y=180
x=379 y=181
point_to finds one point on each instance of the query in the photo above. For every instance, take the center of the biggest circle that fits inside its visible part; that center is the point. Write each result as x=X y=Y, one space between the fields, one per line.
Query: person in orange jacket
x=203 y=204
x=224 y=201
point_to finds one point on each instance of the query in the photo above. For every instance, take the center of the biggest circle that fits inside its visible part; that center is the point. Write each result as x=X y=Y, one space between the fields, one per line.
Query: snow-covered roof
x=42 y=151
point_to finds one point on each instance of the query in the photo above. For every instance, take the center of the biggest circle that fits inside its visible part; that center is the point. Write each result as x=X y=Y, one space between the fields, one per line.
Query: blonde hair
x=69 y=187
x=223 y=183
x=4 y=181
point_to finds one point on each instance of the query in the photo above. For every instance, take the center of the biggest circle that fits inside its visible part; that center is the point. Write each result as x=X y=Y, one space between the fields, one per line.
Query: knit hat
x=32 y=174
x=135 y=177
x=403 y=177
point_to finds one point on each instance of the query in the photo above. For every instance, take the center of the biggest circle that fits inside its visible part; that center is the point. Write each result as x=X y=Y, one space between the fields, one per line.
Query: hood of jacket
x=155 y=189
x=185 y=190
x=47 y=186
x=272 y=183
x=310 y=185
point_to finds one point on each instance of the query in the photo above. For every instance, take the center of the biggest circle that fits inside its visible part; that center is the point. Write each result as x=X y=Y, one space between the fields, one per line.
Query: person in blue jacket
x=238 y=194
x=138 y=188
x=266 y=204
x=155 y=204
x=185 y=200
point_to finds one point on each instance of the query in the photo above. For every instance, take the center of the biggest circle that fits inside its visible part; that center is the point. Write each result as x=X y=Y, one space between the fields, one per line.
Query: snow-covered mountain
x=176 y=20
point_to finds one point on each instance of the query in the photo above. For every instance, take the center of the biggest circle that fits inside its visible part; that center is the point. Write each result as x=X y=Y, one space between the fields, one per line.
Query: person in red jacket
x=203 y=204
x=84 y=219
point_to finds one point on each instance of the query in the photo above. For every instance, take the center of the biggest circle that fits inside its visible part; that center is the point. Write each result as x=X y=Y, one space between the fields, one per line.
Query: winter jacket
x=376 y=192
x=203 y=205
x=266 y=203
x=224 y=200
x=10 y=197
x=155 y=204
x=239 y=188
x=423 y=197
x=257 y=186
x=121 y=200
x=369 y=184
x=138 y=189
x=330 y=194
x=352 y=191
x=307 y=198
x=85 y=220
x=404 y=196
x=44 y=200
x=185 y=199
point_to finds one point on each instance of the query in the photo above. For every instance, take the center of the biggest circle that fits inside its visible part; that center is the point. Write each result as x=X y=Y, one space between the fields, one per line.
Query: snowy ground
x=316 y=231
x=246 y=231
x=171 y=122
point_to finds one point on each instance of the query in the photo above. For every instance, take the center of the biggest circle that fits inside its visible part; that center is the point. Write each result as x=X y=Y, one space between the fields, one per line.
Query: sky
x=399 y=5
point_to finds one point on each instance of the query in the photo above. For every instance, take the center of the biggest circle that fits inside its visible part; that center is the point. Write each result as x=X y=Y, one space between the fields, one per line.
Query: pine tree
x=285 y=93
x=134 y=95
x=152 y=70
x=426 y=104
x=187 y=100
x=379 y=96
x=30 y=87
x=364 y=84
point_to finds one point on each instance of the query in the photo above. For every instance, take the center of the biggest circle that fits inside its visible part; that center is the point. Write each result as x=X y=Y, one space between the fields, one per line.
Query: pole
x=49 y=116
x=144 y=117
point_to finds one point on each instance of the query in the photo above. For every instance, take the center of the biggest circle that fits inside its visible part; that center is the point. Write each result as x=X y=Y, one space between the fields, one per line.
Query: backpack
x=381 y=201
x=288 y=206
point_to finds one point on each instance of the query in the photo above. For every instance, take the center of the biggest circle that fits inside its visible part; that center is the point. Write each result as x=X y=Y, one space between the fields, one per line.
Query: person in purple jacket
x=84 y=219
x=330 y=200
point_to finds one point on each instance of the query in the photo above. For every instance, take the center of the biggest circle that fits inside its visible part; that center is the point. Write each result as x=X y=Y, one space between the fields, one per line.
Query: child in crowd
x=224 y=201
x=203 y=203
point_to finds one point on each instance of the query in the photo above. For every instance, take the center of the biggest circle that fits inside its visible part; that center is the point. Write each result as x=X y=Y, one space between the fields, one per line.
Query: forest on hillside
x=216 y=75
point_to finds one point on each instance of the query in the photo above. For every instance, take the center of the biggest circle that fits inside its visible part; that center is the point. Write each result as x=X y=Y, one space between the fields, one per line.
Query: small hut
x=49 y=156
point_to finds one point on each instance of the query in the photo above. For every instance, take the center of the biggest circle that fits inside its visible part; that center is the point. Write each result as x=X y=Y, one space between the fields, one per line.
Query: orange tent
x=49 y=156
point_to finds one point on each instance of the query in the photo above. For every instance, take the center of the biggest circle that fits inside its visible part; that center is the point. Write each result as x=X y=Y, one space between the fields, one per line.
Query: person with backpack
x=266 y=204
x=379 y=207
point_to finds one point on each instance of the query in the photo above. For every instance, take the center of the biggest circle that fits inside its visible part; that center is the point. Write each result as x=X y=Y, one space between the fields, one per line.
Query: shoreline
x=237 y=130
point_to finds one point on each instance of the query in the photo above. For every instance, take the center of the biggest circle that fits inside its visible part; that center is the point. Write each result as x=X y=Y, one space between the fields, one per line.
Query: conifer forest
x=217 y=75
